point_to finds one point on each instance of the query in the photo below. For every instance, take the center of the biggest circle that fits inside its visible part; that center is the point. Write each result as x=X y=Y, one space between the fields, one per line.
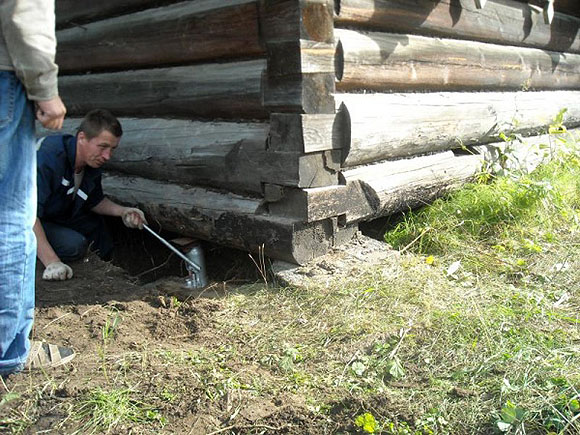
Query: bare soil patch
x=156 y=332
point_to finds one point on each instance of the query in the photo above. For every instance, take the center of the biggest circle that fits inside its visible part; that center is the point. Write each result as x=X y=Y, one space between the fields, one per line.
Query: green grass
x=498 y=225
x=504 y=328
x=101 y=411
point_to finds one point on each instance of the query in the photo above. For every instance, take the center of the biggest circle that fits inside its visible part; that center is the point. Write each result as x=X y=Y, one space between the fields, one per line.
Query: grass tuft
x=102 y=411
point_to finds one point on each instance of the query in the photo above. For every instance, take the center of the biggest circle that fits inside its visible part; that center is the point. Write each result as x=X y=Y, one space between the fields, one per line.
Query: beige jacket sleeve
x=29 y=35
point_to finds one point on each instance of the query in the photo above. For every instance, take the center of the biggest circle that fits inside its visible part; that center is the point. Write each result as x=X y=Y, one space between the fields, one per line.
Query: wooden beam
x=216 y=154
x=226 y=219
x=229 y=90
x=301 y=93
x=285 y=20
x=224 y=155
x=310 y=205
x=305 y=133
x=399 y=185
x=384 y=126
x=177 y=34
x=378 y=190
x=385 y=61
x=300 y=57
x=299 y=39
x=505 y=22
x=75 y=12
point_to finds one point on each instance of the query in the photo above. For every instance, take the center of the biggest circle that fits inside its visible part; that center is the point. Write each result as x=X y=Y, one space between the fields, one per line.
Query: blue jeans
x=17 y=217
x=70 y=239
x=68 y=244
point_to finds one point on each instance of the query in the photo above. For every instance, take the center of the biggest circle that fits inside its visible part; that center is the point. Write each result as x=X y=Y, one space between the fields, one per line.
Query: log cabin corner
x=282 y=124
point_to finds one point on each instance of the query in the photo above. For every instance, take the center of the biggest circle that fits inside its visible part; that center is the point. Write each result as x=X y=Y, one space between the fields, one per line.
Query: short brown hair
x=99 y=120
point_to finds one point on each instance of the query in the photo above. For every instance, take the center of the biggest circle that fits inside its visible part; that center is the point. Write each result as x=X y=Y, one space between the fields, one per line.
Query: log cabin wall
x=423 y=90
x=195 y=85
x=280 y=124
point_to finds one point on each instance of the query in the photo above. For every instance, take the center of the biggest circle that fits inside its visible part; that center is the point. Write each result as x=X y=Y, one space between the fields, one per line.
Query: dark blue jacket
x=55 y=181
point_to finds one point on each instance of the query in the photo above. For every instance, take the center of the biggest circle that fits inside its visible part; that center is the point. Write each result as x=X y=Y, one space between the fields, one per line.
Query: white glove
x=133 y=218
x=57 y=271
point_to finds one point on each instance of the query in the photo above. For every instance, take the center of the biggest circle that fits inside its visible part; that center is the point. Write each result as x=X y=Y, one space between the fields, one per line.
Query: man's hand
x=133 y=218
x=57 y=271
x=51 y=113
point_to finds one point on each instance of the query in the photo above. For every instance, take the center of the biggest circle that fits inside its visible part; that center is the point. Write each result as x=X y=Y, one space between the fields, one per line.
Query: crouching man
x=71 y=204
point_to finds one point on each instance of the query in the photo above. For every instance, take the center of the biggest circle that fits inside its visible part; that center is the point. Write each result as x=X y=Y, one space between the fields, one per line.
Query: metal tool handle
x=175 y=250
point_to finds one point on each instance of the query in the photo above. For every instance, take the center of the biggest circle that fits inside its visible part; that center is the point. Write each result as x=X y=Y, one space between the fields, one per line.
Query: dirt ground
x=158 y=322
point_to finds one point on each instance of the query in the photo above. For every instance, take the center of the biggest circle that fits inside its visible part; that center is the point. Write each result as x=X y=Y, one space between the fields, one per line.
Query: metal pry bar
x=175 y=250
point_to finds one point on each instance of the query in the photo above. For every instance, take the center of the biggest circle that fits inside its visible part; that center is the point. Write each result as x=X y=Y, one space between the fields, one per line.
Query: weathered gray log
x=384 y=126
x=177 y=34
x=504 y=22
x=384 y=61
x=75 y=12
x=219 y=154
x=241 y=166
x=310 y=205
x=300 y=57
x=225 y=219
x=379 y=190
x=224 y=155
x=229 y=90
x=300 y=93
x=396 y=186
x=305 y=133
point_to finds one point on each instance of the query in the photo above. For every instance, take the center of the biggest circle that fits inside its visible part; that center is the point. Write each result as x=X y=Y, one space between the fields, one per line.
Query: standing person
x=71 y=203
x=28 y=86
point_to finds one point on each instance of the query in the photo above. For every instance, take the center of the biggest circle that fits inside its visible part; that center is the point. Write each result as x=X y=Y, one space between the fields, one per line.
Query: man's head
x=98 y=136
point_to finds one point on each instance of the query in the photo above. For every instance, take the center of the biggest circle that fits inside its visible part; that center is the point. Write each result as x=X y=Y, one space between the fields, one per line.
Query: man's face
x=97 y=151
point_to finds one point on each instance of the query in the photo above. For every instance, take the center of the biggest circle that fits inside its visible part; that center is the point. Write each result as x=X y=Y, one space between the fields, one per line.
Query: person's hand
x=133 y=218
x=51 y=113
x=57 y=271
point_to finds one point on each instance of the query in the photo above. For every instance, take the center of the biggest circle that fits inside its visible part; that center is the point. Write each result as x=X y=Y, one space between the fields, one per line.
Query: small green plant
x=562 y=415
x=110 y=327
x=400 y=428
x=102 y=411
x=557 y=126
x=174 y=303
x=367 y=423
x=511 y=417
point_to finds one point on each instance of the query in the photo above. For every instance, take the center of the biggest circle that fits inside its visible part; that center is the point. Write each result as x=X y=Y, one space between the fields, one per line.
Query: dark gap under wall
x=146 y=259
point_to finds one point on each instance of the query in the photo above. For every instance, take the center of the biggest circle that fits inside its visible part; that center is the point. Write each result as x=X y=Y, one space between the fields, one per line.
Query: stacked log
x=179 y=33
x=508 y=22
x=386 y=61
x=384 y=126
